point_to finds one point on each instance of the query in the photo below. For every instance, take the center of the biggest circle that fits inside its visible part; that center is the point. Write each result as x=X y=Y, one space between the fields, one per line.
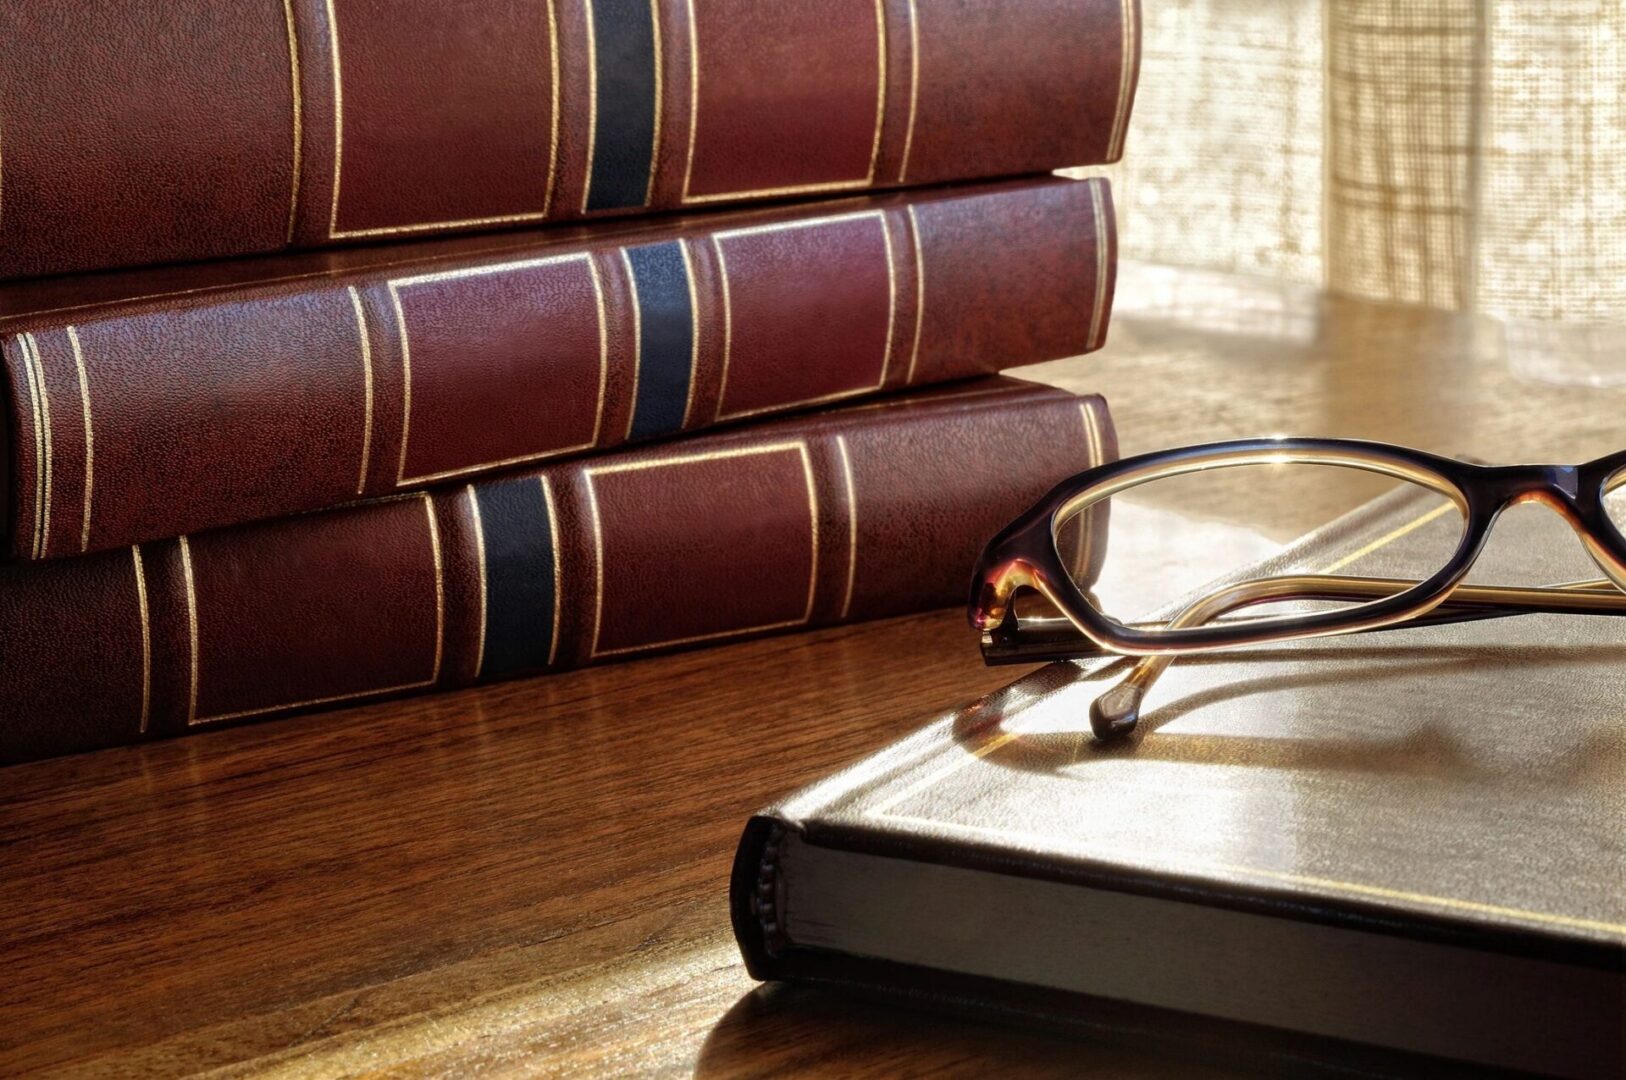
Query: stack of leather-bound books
x=356 y=349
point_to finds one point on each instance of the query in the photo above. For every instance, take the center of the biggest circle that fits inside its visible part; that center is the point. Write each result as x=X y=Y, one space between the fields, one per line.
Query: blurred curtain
x=1466 y=154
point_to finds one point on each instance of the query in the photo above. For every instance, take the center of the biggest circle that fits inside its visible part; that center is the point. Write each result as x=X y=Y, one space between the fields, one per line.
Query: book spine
x=168 y=416
x=193 y=129
x=872 y=511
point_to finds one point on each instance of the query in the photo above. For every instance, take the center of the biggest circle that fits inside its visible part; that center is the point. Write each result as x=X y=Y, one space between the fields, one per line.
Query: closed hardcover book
x=1393 y=853
x=147 y=404
x=848 y=514
x=192 y=129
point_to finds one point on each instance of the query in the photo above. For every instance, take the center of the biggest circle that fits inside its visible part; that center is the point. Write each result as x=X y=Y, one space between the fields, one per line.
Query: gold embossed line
x=338 y=117
x=660 y=99
x=798 y=446
x=920 y=294
x=694 y=328
x=366 y=388
x=792 y=189
x=44 y=441
x=852 y=523
x=90 y=434
x=637 y=340
x=1103 y=265
x=299 y=116
x=914 y=91
x=558 y=567
x=480 y=560
x=592 y=103
x=190 y=585
x=1126 y=81
x=39 y=447
x=723 y=413
x=1092 y=442
x=146 y=637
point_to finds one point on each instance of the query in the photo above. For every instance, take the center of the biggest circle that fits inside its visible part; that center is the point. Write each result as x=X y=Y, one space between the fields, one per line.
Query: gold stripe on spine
x=637 y=341
x=694 y=97
x=299 y=115
x=598 y=564
x=852 y=523
x=39 y=445
x=1085 y=542
x=1102 y=266
x=90 y=437
x=406 y=378
x=558 y=571
x=603 y=352
x=794 y=189
x=480 y=557
x=728 y=323
x=366 y=388
x=440 y=625
x=46 y=427
x=395 y=287
x=660 y=99
x=1126 y=83
x=429 y=226
x=891 y=300
x=191 y=631
x=799 y=446
x=914 y=90
x=338 y=117
x=880 y=89
x=920 y=294
x=592 y=103
x=728 y=310
x=553 y=135
x=440 y=587
x=694 y=329
x=146 y=638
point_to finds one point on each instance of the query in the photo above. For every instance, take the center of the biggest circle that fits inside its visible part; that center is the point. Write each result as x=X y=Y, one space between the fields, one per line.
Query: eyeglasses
x=1061 y=548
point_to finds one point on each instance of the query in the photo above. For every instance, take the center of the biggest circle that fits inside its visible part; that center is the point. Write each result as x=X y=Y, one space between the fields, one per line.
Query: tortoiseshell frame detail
x=1025 y=556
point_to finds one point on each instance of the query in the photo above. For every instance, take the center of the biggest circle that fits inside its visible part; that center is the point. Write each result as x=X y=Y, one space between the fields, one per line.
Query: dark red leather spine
x=191 y=129
x=869 y=511
x=157 y=403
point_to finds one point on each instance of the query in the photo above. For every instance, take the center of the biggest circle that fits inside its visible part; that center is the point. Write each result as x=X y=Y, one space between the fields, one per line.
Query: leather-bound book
x=147 y=404
x=856 y=513
x=1397 y=853
x=192 y=129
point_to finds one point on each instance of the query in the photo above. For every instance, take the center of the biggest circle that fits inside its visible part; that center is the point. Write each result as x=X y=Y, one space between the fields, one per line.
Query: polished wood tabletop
x=530 y=878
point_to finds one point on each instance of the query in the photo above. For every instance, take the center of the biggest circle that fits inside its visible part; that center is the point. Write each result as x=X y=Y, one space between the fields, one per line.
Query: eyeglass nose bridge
x=1568 y=492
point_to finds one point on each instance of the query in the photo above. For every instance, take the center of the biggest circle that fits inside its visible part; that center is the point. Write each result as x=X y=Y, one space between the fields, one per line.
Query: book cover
x=138 y=133
x=147 y=404
x=830 y=517
x=1404 y=848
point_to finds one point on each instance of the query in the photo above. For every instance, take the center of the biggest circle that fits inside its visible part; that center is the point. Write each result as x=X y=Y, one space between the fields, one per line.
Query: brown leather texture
x=855 y=513
x=139 y=133
x=148 y=404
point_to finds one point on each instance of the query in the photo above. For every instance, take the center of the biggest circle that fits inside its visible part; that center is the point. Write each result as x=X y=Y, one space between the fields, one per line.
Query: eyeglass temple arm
x=1116 y=711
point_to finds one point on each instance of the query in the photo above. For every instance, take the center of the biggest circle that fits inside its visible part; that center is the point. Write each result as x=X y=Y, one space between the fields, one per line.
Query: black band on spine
x=520 y=568
x=666 y=338
x=624 y=135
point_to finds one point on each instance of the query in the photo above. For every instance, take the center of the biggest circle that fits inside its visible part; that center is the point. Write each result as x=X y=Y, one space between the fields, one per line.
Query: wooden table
x=531 y=877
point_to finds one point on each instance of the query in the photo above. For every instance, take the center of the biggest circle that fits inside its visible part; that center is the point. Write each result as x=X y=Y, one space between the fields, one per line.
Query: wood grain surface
x=530 y=878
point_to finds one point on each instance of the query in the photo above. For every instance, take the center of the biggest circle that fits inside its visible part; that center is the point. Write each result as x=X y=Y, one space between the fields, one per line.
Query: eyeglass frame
x=1026 y=555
